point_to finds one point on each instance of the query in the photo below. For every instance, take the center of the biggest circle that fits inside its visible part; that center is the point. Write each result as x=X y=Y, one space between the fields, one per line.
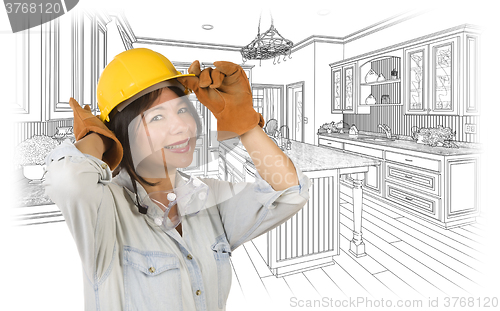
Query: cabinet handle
x=409 y=160
x=408 y=176
x=409 y=199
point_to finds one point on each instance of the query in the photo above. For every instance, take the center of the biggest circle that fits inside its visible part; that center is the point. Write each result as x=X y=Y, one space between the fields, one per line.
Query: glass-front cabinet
x=416 y=79
x=443 y=62
x=431 y=78
x=344 y=88
x=441 y=77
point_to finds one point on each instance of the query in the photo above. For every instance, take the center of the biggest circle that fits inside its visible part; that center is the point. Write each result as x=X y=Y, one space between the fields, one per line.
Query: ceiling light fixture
x=268 y=45
x=207 y=26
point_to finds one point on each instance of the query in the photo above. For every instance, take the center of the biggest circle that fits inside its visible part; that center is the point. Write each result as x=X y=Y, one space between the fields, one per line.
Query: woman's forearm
x=94 y=145
x=272 y=164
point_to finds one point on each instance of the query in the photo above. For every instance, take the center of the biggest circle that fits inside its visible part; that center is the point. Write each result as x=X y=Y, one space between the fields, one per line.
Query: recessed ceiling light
x=207 y=27
x=323 y=12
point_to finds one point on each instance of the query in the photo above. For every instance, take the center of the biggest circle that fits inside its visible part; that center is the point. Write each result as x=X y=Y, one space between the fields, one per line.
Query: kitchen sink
x=378 y=139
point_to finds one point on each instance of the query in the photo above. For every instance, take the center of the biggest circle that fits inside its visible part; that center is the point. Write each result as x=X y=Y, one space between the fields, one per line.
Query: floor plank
x=442 y=268
x=323 y=284
x=415 y=237
x=395 y=283
x=417 y=267
x=352 y=266
x=301 y=287
x=455 y=265
x=278 y=290
x=349 y=286
x=257 y=260
x=438 y=233
x=249 y=280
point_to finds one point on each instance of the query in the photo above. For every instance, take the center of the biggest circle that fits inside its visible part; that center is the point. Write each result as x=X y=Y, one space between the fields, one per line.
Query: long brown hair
x=120 y=122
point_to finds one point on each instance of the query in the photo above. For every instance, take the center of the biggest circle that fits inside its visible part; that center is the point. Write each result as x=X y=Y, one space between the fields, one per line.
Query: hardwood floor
x=406 y=259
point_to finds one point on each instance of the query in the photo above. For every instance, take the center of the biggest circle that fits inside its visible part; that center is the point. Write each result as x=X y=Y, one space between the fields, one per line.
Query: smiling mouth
x=178 y=146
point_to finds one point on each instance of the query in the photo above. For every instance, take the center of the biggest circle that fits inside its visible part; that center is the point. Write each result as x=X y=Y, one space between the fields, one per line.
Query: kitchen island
x=311 y=237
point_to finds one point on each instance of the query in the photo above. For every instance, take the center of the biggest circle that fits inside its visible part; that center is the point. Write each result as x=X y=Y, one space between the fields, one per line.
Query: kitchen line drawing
x=387 y=127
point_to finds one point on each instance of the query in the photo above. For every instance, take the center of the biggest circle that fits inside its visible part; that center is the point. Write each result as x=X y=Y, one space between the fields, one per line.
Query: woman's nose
x=177 y=124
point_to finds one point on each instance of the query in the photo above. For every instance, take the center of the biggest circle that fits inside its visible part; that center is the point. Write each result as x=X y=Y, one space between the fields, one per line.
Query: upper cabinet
x=441 y=76
x=78 y=54
x=436 y=74
x=57 y=60
x=345 y=88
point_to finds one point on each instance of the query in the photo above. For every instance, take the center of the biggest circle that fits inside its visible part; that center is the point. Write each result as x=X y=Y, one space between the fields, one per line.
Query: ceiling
x=236 y=23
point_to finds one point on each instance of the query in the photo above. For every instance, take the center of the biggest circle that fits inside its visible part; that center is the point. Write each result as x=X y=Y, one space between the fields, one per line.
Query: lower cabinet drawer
x=413 y=200
x=414 y=178
x=425 y=163
x=330 y=143
x=376 y=153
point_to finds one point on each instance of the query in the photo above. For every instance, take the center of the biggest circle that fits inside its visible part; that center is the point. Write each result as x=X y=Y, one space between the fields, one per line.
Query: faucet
x=386 y=129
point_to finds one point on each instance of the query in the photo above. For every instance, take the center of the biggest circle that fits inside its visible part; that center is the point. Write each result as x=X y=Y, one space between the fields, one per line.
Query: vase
x=370 y=100
x=34 y=173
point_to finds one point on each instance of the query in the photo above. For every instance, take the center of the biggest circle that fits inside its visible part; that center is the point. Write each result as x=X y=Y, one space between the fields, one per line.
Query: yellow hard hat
x=128 y=74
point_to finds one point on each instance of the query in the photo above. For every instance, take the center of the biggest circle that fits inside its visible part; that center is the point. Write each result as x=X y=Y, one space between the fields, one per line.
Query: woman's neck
x=162 y=184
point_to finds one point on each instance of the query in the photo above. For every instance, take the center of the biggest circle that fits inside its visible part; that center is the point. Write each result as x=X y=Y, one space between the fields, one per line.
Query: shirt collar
x=123 y=179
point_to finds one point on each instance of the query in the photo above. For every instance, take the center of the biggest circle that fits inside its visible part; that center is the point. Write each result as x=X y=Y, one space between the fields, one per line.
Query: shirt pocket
x=152 y=280
x=222 y=252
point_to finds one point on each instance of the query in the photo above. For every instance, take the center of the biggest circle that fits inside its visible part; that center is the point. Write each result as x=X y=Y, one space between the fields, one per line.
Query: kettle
x=416 y=135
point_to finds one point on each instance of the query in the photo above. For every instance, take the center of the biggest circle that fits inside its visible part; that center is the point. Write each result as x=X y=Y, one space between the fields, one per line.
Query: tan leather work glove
x=226 y=91
x=85 y=122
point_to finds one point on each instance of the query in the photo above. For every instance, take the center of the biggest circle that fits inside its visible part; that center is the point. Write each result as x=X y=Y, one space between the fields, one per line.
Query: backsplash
x=401 y=124
x=25 y=130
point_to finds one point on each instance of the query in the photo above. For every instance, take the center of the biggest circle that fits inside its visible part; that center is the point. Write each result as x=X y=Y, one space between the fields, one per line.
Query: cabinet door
x=337 y=90
x=348 y=75
x=462 y=188
x=23 y=70
x=373 y=179
x=415 y=80
x=472 y=83
x=443 y=79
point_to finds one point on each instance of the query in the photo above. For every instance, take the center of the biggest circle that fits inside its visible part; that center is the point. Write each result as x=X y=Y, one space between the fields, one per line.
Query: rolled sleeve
x=77 y=184
x=250 y=209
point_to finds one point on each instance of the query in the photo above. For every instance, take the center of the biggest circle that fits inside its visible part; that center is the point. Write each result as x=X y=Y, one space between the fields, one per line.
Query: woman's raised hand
x=226 y=91
x=85 y=122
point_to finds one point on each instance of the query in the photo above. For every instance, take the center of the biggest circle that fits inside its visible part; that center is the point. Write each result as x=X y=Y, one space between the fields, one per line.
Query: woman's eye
x=156 y=118
x=183 y=110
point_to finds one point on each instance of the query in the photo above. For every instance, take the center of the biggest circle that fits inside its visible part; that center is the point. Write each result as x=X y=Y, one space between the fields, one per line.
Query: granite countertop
x=312 y=158
x=402 y=144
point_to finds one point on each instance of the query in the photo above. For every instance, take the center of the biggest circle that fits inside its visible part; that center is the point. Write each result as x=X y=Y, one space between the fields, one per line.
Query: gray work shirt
x=130 y=262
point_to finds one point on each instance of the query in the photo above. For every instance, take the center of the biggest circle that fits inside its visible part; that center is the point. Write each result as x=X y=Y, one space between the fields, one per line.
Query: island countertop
x=311 y=158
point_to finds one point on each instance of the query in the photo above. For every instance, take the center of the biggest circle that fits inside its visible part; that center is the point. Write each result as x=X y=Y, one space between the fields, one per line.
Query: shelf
x=381 y=82
x=377 y=105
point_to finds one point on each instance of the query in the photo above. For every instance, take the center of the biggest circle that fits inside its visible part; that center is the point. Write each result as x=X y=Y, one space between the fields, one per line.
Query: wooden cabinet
x=345 y=90
x=461 y=188
x=443 y=62
x=442 y=189
x=441 y=75
x=57 y=60
x=416 y=59
x=24 y=67
x=78 y=53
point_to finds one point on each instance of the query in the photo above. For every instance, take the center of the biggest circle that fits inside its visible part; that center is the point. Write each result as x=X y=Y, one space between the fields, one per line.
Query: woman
x=123 y=226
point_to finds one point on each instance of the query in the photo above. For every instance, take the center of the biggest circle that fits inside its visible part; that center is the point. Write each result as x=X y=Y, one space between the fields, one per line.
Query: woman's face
x=163 y=137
